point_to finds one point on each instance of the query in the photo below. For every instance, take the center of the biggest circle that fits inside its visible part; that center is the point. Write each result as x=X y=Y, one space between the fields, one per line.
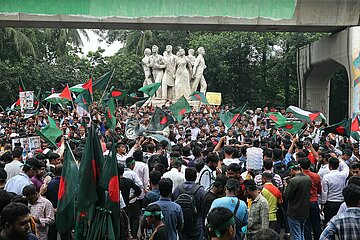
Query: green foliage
x=256 y=67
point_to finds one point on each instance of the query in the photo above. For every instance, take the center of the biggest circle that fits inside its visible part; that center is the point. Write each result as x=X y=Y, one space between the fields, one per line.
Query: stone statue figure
x=158 y=65
x=168 y=81
x=198 y=72
x=146 y=63
x=182 y=78
x=191 y=56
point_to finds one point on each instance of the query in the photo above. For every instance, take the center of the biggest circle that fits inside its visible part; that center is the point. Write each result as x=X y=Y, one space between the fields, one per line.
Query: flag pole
x=107 y=85
x=72 y=102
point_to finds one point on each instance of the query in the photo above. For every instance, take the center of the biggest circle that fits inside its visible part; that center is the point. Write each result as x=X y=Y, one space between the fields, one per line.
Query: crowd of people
x=206 y=181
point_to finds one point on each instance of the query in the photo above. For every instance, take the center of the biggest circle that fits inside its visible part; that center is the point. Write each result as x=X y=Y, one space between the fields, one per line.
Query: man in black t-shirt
x=217 y=191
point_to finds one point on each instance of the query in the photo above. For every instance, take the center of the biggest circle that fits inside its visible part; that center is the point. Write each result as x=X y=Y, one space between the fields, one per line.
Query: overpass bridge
x=316 y=62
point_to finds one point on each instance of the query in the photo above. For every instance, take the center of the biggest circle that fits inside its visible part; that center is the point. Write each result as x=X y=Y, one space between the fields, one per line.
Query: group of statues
x=179 y=74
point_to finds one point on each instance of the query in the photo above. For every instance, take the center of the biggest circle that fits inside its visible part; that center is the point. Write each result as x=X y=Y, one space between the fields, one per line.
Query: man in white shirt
x=142 y=170
x=175 y=173
x=194 y=131
x=208 y=174
x=332 y=185
x=229 y=152
x=14 y=167
x=324 y=169
x=134 y=206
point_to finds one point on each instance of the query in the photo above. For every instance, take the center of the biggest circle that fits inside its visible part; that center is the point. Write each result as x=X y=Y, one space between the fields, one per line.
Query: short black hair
x=154 y=208
x=12 y=212
x=17 y=152
x=29 y=190
x=234 y=167
x=334 y=163
x=268 y=153
x=305 y=163
x=58 y=169
x=351 y=195
x=267 y=234
x=154 y=177
x=229 y=150
x=256 y=143
x=277 y=154
x=31 y=163
x=355 y=165
x=250 y=184
x=138 y=155
x=165 y=187
x=190 y=174
x=301 y=155
x=121 y=168
x=4 y=199
x=212 y=158
x=268 y=176
x=268 y=164
x=216 y=218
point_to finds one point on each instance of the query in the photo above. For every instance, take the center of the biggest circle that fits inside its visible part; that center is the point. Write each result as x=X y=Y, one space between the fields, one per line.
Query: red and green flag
x=110 y=114
x=65 y=216
x=150 y=89
x=115 y=93
x=63 y=97
x=290 y=127
x=229 y=118
x=89 y=194
x=50 y=132
x=240 y=110
x=277 y=117
x=160 y=120
x=101 y=83
x=81 y=87
x=305 y=115
x=84 y=99
x=109 y=181
x=199 y=96
x=179 y=108
x=342 y=128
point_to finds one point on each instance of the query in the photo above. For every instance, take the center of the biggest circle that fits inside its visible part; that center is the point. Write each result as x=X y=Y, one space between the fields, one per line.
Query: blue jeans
x=296 y=228
x=313 y=223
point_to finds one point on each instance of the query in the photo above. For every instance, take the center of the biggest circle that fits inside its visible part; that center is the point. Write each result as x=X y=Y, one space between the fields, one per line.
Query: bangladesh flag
x=92 y=162
x=240 y=110
x=81 y=87
x=101 y=83
x=115 y=93
x=65 y=216
x=150 y=89
x=109 y=181
x=290 y=127
x=199 y=96
x=50 y=132
x=160 y=120
x=84 y=99
x=179 y=108
x=63 y=97
x=135 y=97
x=110 y=116
x=229 y=118
x=342 y=128
x=140 y=103
x=276 y=117
x=305 y=115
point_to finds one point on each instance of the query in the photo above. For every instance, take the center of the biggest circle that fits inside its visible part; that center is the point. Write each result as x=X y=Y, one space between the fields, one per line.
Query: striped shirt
x=277 y=179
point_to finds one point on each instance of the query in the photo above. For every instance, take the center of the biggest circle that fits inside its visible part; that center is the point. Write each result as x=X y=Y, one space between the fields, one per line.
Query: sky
x=93 y=45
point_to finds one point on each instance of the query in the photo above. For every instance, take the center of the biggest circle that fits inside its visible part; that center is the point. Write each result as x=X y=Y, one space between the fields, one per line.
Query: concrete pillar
x=316 y=63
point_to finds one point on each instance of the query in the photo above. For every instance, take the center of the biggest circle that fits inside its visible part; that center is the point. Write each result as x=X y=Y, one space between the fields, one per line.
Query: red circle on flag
x=182 y=111
x=197 y=96
x=163 y=120
x=288 y=126
x=61 y=191
x=116 y=93
x=113 y=189
x=340 y=129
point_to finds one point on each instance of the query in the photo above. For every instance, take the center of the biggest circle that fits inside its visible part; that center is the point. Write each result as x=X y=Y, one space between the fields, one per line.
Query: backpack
x=187 y=202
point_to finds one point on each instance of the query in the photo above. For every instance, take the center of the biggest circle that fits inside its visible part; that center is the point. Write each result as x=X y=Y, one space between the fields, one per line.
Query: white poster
x=26 y=100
